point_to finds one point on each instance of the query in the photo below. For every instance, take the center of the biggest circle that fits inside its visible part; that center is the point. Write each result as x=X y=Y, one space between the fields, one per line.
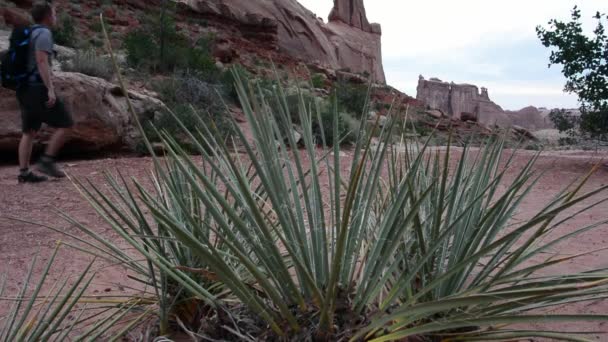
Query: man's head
x=43 y=13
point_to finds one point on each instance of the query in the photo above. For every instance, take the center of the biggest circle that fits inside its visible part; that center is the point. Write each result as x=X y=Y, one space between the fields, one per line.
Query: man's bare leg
x=56 y=142
x=25 y=150
x=47 y=162
x=25 y=154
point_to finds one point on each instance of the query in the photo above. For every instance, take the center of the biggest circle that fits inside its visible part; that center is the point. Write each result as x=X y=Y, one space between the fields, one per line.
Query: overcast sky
x=489 y=43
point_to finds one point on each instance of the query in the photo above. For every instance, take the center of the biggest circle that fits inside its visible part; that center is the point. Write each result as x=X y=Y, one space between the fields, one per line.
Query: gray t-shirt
x=42 y=40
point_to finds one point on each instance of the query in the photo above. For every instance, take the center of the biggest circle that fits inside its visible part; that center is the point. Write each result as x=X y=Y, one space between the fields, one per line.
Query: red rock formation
x=287 y=26
x=350 y=12
x=281 y=30
x=457 y=99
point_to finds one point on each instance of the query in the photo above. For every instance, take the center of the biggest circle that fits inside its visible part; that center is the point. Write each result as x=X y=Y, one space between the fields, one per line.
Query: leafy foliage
x=158 y=46
x=564 y=121
x=318 y=81
x=65 y=32
x=352 y=98
x=585 y=66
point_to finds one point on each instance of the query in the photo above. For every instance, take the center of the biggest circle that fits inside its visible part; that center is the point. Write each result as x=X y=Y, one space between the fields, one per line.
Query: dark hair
x=41 y=10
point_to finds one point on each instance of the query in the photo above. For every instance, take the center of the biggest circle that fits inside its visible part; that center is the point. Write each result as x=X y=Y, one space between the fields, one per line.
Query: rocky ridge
x=467 y=102
x=280 y=30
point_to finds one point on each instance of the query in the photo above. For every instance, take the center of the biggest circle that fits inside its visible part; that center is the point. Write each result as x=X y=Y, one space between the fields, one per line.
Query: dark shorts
x=34 y=111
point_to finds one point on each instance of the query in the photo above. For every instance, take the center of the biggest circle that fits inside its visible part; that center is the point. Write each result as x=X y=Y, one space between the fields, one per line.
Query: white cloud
x=439 y=26
x=438 y=34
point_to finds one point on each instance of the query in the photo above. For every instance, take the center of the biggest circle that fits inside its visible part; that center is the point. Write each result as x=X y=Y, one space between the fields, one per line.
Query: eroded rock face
x=347 y=42
x=350 y=12
x=99 y=110
x=280 y=30
x=462 y=101
x=531 y=118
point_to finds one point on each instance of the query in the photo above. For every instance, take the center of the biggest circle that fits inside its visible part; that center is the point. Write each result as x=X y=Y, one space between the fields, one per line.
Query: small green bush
x=533 y=147
x=158 y=47
x=65 y=32
x=139 y=45
x=323 y=129
x=90 y=63
x=567 y=141
x=190 y=97
x=228 y=81
x=352 y=98
x=318 y=81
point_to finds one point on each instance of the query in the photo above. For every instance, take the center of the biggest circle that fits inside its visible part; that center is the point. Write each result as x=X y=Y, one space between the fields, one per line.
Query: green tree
x=585 y=65
x=158 y=46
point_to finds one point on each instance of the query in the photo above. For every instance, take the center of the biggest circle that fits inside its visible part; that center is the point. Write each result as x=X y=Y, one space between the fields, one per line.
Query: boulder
x=522 y=132
x=99 y=109
x=436 y=113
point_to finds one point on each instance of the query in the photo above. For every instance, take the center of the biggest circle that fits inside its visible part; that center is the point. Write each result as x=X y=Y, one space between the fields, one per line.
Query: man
x=38 y=101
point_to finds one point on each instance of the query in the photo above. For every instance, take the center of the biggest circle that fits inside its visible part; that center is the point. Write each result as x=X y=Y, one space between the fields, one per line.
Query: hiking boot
x=30 y=177
x=49 y=168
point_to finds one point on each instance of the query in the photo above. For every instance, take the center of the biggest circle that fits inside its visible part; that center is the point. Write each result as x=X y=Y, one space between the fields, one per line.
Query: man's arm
x=44 y=69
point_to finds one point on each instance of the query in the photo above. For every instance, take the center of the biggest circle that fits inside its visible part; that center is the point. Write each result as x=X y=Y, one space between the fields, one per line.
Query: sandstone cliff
x=347 y=42
x=281 y=30
x=461 y=101
x=467 y=102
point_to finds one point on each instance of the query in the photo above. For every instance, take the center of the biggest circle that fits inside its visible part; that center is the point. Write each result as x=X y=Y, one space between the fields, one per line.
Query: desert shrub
x=323 y=129
x=90 y=63
x=567 y=141
x=193 y=101
x=533 y=147
x=65 y=31
x=157 y=46
x=318 y=81
x=352 y=98
x=321 y=120
x=139 y=45
x=229 y=82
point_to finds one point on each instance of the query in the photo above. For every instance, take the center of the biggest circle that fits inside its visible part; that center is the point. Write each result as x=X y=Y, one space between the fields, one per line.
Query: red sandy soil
x=19 y=242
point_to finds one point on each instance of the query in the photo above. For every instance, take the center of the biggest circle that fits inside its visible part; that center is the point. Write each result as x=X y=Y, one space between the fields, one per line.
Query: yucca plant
x=60 y=311
x=396 y=246
x=173 y=276
x=399 y=244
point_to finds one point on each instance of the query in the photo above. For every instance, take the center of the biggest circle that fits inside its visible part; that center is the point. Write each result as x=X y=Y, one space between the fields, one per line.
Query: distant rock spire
x=351 y=12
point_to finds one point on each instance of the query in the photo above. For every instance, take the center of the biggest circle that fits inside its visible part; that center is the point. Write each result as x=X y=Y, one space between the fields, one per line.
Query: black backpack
x=13 y=70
